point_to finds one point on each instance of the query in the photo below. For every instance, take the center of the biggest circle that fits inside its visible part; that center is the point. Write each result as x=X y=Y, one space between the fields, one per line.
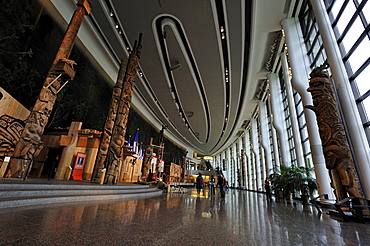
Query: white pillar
x=353 y=121
x=300 y=71
x=235 y=165
x=249 y=159
x=278 y=118
x=256 y=152
x=274 y=140
x=243 y=160
x=293 y=114
x=265 y=139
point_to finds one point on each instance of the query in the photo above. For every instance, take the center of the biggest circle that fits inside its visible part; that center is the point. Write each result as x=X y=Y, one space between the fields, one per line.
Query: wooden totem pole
x=29 y=144
x=338 y=157
x=147 y=161
x=109 y=122
x=115 y=150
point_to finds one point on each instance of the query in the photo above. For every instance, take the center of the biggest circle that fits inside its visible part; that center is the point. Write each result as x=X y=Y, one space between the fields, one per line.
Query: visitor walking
x=199 y=183
x=211 y=186
x=268 y=189
x=222 y=184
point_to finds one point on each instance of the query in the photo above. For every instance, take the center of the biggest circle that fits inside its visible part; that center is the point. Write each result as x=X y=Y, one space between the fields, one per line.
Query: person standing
x=199 y=183
x=268 y=189
x=211 y=185
x=222 y=184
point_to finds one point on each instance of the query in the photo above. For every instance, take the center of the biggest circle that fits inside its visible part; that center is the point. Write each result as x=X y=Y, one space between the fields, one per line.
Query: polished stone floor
x=242 y=218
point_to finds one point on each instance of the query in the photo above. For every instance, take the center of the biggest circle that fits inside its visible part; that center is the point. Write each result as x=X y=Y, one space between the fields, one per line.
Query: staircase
x=17 y=194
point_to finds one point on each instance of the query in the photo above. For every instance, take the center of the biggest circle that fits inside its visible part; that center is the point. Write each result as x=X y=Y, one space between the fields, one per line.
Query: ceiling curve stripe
x=246 y=9
x=159 y=23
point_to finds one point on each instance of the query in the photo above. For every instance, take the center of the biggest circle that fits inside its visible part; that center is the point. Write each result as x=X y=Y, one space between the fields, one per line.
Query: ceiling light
x=175 y=67
x=222 y=29
x=223 y=36
x=111 y=13
x=117 y=26
x=120 y=32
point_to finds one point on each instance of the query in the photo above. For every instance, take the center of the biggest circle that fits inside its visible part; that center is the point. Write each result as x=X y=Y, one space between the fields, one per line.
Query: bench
x=358 y=209
x=326 y=202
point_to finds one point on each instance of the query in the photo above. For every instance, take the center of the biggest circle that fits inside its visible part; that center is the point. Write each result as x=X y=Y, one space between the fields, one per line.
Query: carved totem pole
x=147 y=161
x=338 y=157
x=115 y=150
x=109 y=121
x=29 y=144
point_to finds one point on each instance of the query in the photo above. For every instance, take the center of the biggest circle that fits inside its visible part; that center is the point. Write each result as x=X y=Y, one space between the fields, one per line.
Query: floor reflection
x=241 y=218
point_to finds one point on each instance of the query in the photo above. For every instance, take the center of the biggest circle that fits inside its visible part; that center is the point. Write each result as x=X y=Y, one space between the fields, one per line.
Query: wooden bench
x=358 y=209
x=318 y=202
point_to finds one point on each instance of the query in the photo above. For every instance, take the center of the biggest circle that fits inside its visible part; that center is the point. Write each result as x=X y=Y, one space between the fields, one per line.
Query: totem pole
x=109 y=121
x=147 y=161
x=338 y=157
x=29 y=144
x=115 y=150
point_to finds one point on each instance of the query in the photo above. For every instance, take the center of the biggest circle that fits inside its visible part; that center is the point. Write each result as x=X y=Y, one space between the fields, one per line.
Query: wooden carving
x=29 y=144
x=109 y=121
x=148 y=156
x=338 y=157
x=115 y=151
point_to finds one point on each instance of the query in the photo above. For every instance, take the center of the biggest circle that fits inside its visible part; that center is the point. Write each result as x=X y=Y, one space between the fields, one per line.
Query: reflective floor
x=242 y=218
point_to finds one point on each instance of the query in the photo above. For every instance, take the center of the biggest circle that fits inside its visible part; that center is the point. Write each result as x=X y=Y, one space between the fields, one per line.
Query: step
x=18 y=195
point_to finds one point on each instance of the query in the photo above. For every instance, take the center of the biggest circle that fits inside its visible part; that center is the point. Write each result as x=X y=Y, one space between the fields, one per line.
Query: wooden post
x=115 y=151
x=68 y=152
x=109 y=122
x=29 y=144
x=338 y=157
x=148 y=155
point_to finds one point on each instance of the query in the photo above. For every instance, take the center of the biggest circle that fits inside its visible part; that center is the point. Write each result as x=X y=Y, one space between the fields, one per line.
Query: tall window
x=350 y=23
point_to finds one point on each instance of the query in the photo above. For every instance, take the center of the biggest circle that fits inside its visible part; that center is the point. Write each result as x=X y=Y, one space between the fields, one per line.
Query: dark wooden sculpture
x=109 y=122
x=148 y=156
x=338 y=157
x=29 y=144
x=115 y=151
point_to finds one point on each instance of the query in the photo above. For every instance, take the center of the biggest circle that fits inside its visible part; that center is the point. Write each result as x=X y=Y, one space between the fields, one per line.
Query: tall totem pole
x=115 y=150
x=61 y=71
x=109 y=122
x=338 y=157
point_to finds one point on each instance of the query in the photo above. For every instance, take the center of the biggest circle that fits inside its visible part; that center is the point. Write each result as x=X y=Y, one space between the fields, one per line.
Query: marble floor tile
x=241 y=218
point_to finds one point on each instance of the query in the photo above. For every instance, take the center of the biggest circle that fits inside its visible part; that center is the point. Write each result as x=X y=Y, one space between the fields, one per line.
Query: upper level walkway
x=241 y=218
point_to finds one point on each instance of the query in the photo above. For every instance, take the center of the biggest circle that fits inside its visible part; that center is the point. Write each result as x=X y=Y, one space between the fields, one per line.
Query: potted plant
x=282 y=182
x=303 y=182
x=289 y=180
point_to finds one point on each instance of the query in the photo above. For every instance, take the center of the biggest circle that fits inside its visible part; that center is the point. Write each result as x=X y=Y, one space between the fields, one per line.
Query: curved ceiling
x=200 y=60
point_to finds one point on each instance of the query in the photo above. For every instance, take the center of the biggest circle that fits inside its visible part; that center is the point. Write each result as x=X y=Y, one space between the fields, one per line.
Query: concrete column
x=256 y=152
x=242 y=158
x=355 y=130
x=278 y=118
x=293 y=114
x=248 y=159
x=300 y=70
x=265 y=139
x=274 y=140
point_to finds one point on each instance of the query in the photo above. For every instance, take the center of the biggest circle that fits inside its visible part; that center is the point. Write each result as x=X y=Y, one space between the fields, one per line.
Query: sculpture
x=115 y=151
x=29 y=144
x=338 y=157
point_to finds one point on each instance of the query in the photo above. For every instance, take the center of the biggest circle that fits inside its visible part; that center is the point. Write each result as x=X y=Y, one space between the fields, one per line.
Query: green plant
x=293 y=179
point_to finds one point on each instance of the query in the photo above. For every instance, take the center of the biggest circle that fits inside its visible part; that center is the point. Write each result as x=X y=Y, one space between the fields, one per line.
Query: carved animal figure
x=336 y=150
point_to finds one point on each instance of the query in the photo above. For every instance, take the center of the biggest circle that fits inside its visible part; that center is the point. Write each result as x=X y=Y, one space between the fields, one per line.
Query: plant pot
x=289 y=197
x=305 y=199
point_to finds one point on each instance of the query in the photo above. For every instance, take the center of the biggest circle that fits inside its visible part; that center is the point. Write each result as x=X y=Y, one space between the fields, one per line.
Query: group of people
x=221 y=183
